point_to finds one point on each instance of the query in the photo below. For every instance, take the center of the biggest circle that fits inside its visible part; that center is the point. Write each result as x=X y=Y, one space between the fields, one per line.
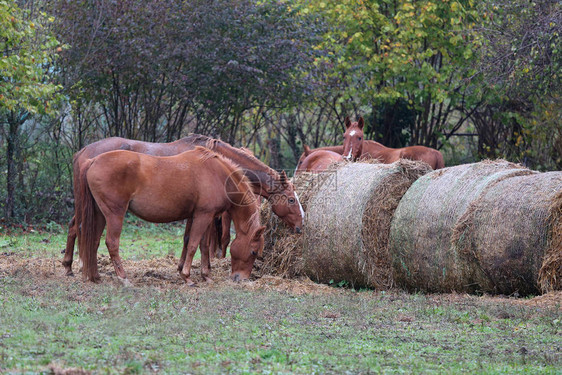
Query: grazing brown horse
x=197 y=184
x=355 y=147
x=264 y=181
x=317 y=161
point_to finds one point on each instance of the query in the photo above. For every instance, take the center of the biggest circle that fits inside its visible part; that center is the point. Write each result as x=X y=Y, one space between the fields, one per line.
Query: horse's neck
x=244 y=216
x=263 y=180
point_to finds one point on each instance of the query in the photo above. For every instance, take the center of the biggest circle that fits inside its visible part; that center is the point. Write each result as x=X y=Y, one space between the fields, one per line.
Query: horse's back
x=429 y=155
x=319 y=160
x=117 y=143
x=158 y=189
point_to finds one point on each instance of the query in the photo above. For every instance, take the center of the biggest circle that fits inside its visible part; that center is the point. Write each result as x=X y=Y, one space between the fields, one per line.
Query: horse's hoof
x=208 y=280
x=126 y=283
x=69 y=273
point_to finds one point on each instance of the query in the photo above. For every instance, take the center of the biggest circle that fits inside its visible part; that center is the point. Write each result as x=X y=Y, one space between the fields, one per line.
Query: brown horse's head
x=285 y=203
x=244 y=250
x=353 y=139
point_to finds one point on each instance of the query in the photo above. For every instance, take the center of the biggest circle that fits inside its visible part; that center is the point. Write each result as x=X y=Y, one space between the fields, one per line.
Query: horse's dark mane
x=258 y=165
x=195 y=138
x=213 y=144
x=236 y=173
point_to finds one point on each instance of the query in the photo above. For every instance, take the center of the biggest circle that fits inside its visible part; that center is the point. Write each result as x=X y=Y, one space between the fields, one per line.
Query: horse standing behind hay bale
x=318 y=161
x=348 y=222
x=422 y=228
x=510 y=233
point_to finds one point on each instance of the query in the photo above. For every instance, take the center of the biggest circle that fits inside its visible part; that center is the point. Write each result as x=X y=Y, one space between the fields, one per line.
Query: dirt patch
x=57 y=370
x=161 y=273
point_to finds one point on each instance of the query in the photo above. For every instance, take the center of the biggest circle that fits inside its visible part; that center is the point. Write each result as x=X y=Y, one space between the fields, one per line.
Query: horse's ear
x=347 y=122
x=283 y=176
x=361 y=123
x=306 y=150
x=259 y=232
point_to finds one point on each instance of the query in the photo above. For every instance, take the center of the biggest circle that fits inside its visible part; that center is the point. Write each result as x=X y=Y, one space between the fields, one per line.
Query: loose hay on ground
x=508 y=230
x=348 y=222
x=422 y=227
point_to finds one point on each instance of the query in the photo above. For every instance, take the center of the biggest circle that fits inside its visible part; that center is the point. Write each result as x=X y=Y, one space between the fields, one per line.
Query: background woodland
x=475 y=79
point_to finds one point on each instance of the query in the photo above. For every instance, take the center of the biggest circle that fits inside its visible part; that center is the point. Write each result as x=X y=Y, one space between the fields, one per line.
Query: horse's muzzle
x=297 y=230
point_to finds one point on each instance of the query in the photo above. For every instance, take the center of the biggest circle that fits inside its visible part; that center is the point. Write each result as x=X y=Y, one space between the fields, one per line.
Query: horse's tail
x=76 y=191
x=87 y=223
x=439 y=163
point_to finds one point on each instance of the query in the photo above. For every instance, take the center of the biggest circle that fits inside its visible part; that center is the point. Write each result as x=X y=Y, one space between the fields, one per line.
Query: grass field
x=51 y=323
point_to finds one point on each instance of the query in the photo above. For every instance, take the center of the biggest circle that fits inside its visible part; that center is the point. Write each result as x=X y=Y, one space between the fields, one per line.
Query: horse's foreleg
x=206 y=246
x=185 y=241
x=211 y=240
x=199 y=225
x=225 y=235
x=69 y=250
x=113 y=233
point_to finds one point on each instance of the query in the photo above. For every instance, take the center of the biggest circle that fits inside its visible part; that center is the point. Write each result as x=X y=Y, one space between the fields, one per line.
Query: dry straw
x=282 y=255
x=512 y=232
x=423 y=225
x=348 y=222
x=550 y=274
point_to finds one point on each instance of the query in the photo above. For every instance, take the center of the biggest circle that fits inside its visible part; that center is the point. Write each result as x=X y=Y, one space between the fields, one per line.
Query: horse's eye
x=359 y=138
x=291 y=200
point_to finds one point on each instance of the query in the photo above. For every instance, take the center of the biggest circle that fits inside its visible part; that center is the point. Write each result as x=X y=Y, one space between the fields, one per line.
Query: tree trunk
x=14 y=123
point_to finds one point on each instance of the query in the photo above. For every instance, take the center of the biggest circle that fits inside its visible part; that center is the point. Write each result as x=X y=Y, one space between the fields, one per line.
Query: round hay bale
x=422 y=227
x=348 y=222
x=550 y=274
x=282 y=254
x=508 y=231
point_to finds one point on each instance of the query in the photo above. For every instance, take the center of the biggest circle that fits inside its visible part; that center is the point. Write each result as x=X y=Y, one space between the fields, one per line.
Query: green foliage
x=521 y=62
x=28 y=51
x=422 y=52
x=43 y=190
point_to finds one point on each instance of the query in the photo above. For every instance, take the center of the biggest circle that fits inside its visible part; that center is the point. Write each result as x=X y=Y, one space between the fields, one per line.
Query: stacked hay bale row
x=485 y=227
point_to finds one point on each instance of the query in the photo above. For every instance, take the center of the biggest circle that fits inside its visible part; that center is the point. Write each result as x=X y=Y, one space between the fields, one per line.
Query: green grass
x=110 y=329
x=139 y=240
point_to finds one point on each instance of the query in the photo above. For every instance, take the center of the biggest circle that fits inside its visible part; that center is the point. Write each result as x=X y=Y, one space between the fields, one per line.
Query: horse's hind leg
x=198 y=227
x=99 y=227
x=69 y=250
x=113 y=233
x=185 y=241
